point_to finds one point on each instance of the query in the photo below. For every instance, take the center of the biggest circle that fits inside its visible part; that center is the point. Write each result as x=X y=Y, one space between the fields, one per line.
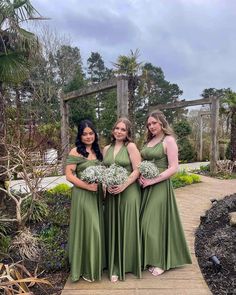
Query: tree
x=228 y=107
x=230 y=99
x=17 y=46
x=129 y=66
x=182 y=130
x=97 y=72
x=153 y=90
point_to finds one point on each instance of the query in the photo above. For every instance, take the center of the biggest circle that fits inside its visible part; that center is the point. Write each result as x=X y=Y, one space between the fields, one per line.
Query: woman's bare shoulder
x=169 y=139
x=74 y=152
x=131 y=146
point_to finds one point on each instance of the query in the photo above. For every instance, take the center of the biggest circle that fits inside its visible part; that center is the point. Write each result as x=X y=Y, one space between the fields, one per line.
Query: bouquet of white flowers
x=148 y=169
x=93 y=174
x=114 y=175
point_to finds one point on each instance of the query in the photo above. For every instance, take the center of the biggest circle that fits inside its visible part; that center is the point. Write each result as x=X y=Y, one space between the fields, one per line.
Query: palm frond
x=14 y=68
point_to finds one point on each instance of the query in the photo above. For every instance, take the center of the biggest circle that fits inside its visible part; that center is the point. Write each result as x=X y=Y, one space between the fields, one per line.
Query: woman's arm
x=171 y=150
x=71 y=176
x=135 y=159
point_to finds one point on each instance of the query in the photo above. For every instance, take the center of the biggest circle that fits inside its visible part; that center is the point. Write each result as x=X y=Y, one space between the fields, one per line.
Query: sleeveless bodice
x=155 y=154
x=121 y=158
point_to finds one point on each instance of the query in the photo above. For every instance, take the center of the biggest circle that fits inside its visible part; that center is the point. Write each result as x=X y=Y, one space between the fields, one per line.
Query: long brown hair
x=160 y=117
x=127 y=123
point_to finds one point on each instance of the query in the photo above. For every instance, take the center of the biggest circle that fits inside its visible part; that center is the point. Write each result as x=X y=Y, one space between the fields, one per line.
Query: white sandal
x=156 y=271
x=87 y=280
x=114 y=278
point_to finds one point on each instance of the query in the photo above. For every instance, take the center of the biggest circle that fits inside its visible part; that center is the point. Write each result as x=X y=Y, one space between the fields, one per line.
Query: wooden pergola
x=214 y=101
x=120 y=83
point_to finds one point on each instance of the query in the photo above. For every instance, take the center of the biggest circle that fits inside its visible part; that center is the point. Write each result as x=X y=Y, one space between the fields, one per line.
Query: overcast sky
x=193 y=41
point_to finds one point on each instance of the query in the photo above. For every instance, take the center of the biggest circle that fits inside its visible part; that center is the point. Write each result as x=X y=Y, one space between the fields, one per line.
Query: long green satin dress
x=86 y=231
x=162 y=235
x=122 y=231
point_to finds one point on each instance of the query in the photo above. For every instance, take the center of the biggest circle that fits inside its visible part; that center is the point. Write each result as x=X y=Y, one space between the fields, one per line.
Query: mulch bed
x=216 y=237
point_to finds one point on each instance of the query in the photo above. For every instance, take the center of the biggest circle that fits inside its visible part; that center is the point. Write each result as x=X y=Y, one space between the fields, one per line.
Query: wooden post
x=200 y=148
x=214 y=133
x=64 y=108
x=122 y=98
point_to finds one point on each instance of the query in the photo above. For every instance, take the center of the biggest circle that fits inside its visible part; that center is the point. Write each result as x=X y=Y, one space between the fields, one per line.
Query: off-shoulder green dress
x=86 y=231
x=122 y=231
x=162 y=235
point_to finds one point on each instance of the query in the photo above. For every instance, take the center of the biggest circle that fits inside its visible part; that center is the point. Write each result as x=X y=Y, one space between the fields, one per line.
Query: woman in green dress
x=86 y=232
x=122 y=206
x=163 y=241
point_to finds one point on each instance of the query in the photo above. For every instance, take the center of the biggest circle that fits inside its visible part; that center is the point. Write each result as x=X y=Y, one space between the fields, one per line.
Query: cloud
x=193 y=41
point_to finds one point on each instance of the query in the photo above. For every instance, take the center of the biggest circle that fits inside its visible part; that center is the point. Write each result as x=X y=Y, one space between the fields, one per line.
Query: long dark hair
x=127 y=123
x=80 y=146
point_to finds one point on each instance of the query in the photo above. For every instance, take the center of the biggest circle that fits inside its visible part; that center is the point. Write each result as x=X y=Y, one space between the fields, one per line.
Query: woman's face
x=120 y=132
x=154 y=126
x=88 y=136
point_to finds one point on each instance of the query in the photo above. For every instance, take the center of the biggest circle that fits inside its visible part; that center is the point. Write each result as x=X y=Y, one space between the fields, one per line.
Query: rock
x=232 y=217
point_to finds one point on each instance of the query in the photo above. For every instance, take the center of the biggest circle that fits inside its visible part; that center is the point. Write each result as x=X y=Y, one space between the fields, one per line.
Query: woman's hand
x=117 y=189
x=93 y=187
x=144 y=182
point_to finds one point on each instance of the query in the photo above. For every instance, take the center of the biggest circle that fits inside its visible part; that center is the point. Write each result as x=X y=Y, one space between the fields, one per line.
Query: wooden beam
x=64 y=111
x=215 y=105
x=94 y=88
x=181 y=104
x=200 y=148
x=122 y=98
x=200 y=115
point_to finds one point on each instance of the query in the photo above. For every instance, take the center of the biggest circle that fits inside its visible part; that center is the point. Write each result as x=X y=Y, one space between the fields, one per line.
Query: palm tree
x=17 y=46
x=129 y=66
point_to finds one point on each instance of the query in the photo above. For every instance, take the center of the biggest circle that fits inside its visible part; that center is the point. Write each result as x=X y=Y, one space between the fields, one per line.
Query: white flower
x=148 y=169
x=93 y=174
x=114 y=175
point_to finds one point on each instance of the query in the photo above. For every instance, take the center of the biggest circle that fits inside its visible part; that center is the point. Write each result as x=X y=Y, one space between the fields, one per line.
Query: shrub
x=26 y=245
x=196 y=178
x=205 y=168
x=60 y=189
x=183 y=178
x=182 y=129
x=39 y=211
x=54 y=247
x=5 y=242
x=186 y=151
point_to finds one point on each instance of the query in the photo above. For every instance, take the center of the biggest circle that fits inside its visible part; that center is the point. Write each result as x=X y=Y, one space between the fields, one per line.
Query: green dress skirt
x=162 y=235
x=86 y=231
x=122 y=231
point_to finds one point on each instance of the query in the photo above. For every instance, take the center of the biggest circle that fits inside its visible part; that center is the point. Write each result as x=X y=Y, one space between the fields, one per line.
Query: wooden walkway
x=193 y=201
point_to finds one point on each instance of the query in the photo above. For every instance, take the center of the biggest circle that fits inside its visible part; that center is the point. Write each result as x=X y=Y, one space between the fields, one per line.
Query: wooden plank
x=91 y=89
x=181 y=104
x=138 y=292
